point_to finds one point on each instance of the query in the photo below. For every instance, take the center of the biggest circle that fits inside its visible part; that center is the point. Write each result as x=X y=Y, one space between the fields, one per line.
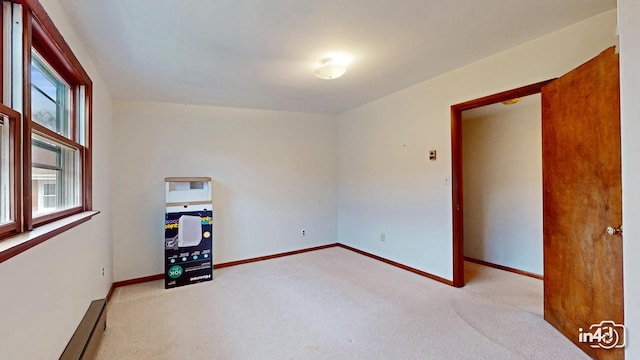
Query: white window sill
x=19 y=243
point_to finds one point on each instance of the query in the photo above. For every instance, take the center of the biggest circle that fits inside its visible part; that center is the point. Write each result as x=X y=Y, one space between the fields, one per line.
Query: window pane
x=5 y=179
x=82 y=115
x=43 y=204
x=49 y=97
x=55 y=177
x=49 y=193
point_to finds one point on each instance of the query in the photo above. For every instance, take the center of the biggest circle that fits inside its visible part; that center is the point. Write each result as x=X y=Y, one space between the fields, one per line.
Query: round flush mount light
x=330 y=69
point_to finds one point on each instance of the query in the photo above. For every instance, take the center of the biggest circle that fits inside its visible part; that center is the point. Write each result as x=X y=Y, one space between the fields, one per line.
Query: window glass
x=5 y=191
x=55 y=176
x=9 y=135
x=49 y=97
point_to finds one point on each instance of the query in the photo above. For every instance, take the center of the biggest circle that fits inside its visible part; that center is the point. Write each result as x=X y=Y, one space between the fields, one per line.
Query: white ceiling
x=261 y=54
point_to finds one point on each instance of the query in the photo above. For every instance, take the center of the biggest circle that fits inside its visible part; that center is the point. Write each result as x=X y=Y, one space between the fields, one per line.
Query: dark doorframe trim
x=456 y=166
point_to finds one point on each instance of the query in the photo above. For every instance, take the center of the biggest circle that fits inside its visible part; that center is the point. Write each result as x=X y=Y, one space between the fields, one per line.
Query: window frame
x=39 y=33
x=13 y=119
x=62 y=114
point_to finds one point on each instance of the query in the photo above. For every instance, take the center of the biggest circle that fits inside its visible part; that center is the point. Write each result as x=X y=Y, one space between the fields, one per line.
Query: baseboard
x=396 y=264
x=505 y=268
x=139 y=280
x=269 y=257
x=289 y=253
x=111 y=289
x=155 y=277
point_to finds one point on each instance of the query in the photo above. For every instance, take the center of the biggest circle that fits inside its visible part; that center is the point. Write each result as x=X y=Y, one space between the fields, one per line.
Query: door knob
x=613 y=231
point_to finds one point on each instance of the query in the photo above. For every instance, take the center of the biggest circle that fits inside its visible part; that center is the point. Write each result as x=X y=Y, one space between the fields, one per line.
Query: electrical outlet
x=383 y=236
x=304 y=232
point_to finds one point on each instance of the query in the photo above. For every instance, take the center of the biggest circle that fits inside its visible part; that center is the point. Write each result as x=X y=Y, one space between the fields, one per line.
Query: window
x=55 y=152
x=49 y=97
x=10 y=219
x=5 y=196
x=55 y=179
x=49 y=191
x=45 y=122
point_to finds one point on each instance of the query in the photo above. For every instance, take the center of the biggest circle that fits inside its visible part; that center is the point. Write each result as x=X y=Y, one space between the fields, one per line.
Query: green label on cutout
x=175 y=271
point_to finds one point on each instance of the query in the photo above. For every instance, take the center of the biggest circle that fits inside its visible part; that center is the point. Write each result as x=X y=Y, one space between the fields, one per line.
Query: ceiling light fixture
x=511 y=101
x=330 y=69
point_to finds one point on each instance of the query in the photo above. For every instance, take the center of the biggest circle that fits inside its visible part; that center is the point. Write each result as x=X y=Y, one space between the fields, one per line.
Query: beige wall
x=273 y=172
x=46 y=290
x=386 y=182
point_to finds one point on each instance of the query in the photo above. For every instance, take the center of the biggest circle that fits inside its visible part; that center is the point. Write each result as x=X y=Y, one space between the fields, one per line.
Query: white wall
x=274 y=174
x=386 y=182
x=629 y=27
x=47 y=289
x=502 y=169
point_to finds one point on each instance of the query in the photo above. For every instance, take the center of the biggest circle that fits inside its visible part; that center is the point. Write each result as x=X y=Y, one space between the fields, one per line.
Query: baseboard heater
x=84 y=342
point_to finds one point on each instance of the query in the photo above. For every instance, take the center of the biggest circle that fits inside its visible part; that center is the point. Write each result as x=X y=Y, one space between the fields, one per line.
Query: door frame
x=456 y=166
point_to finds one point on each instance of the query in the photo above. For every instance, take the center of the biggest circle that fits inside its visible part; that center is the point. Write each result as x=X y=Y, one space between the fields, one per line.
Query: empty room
x=316 y=180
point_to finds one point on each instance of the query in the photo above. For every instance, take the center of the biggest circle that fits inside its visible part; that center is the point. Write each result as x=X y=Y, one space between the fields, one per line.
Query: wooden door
x=582 y=196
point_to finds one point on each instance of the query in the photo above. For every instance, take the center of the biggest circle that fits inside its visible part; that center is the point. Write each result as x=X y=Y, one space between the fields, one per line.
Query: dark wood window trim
x=22 y=242
x=51 y=44
x=13 y=120
x=40 y=33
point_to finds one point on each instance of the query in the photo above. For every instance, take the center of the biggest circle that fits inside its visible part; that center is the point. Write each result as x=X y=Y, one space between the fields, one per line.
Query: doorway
x=502 y=178
x=582 y=207
x=457 y=168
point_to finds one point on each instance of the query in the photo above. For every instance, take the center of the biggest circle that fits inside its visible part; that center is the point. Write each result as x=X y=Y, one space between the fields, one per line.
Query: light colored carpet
x=333 y=304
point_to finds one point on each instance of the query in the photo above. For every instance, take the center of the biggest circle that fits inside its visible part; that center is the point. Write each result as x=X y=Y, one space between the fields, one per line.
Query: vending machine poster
x=188 y=248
